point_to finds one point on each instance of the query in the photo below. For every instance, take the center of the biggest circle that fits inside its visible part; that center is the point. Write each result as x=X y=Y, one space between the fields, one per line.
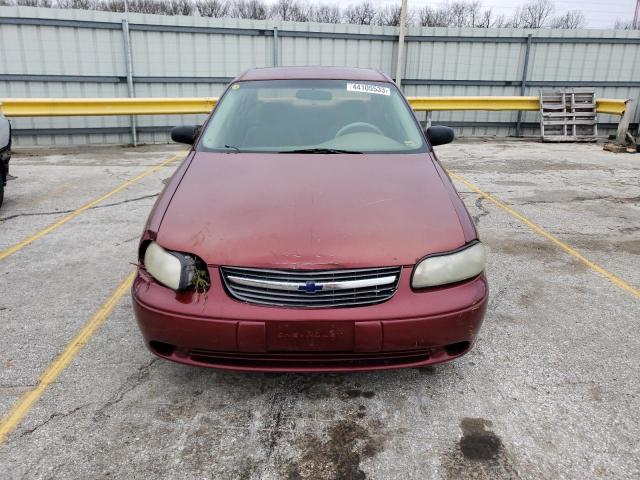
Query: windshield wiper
x=233 y=146
x=319 y=150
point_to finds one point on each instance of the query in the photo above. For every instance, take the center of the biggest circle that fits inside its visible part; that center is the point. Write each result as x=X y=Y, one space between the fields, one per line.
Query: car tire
x=4 y=157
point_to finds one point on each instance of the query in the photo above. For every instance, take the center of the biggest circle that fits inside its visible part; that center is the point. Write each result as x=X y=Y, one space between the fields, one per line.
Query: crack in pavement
x=137 y=237
x=483 y=211
x=608 y=198
x=497 y=297
x=14 y=387
x=596 y=235
x=51 y=417
x=34 y=214
x=131 y=383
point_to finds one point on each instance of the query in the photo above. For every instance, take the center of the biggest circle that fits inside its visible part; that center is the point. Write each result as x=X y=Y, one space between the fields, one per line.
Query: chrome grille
x=311 y=288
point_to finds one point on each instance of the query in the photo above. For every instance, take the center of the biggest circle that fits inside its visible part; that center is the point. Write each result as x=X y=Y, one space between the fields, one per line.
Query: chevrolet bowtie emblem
x=310 y=287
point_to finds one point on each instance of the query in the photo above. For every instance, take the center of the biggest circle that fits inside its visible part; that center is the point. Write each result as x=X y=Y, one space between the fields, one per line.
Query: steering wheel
x=358 y=126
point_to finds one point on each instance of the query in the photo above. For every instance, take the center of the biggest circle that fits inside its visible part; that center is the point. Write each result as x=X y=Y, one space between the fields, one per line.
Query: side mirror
x=185 y=134
x=440 y=135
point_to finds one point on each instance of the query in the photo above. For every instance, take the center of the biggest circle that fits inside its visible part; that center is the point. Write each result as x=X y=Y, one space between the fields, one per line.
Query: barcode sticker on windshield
x=367 y=88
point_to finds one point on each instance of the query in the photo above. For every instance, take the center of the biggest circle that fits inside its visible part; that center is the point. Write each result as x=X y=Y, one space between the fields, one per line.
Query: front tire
x=5 y=156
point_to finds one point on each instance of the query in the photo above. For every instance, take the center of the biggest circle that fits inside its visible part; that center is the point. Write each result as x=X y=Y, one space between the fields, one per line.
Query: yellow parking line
x=19 y=246
x=538 y=229
x=55 y=368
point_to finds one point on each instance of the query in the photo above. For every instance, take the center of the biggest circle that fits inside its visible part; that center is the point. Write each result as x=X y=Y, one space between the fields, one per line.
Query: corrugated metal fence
x=73 y=53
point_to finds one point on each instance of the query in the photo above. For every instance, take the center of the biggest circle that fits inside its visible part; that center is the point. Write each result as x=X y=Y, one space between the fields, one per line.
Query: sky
x=599 y=13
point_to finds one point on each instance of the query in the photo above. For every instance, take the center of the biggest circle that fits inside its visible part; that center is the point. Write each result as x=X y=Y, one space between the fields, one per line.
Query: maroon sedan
x=310 y=228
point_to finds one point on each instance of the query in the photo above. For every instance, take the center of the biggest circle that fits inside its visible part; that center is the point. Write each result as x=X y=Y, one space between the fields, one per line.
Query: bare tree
x=111 y=6
x=179 y=7
x=431 y=17
x=623 y=25
x=453 y=13
x=290 y=11
x=79 y=4
x=140 y=6
x=361 y=14
x=282 y=9
x=534 y=14
x=461 y=13
x=28 y=3
x=213 y=8
x=147 y=6
x=569 y=20
x=464 y=13
x=457 y=13
x=489 y=20
x=390 y=16
x=474 y=13
x=253 y=9
x=326 y=14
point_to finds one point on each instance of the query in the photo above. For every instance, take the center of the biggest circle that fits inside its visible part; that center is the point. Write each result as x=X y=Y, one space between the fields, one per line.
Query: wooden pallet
x=568 y=115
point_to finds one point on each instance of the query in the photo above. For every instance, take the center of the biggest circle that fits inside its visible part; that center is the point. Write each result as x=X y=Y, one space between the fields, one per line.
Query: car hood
x=308 y=211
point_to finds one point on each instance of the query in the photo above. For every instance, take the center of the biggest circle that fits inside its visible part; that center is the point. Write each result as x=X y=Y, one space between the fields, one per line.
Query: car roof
x=315 y=73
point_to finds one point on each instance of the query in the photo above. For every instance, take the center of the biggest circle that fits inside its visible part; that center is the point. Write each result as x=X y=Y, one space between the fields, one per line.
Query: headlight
x=449 y=267
x=172 y=269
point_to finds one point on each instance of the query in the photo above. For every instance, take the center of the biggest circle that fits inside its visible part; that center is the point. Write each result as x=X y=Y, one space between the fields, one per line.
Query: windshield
x=320 y=116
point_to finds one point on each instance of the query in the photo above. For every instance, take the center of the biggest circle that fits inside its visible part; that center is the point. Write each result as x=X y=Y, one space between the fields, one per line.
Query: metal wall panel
x=82 y=54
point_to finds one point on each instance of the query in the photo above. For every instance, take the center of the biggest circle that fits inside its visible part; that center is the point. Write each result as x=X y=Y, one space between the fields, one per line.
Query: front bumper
x=411 y=329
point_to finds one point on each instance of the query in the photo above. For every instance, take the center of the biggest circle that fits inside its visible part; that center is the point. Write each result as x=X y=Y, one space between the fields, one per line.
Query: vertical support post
x=428 y=118
x=275 y=46
x=523 y=82
x=400 y=59
x=129 y=64
x=623 y=125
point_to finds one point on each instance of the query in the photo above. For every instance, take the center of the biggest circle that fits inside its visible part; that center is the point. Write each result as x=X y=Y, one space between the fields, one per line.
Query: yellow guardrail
x=474 y=103
x=604 y=105
x=611 y=105
x=64 y=107
x=55 y=107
